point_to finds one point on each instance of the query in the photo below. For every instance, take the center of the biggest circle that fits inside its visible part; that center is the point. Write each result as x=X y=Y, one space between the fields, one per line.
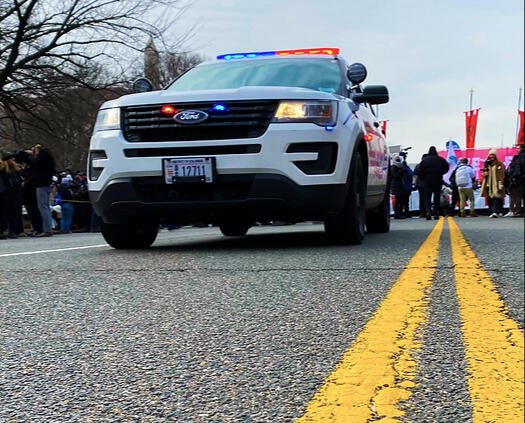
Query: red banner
x=521 y=137
x=471 y=121
x=383 y=126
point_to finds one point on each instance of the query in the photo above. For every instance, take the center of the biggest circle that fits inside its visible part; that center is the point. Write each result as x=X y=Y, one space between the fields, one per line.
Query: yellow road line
x=379 y=368
x=494 y=345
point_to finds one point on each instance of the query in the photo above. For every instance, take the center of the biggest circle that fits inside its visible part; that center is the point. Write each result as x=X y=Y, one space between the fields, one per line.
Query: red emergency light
x=330 y=51
x=169 y=110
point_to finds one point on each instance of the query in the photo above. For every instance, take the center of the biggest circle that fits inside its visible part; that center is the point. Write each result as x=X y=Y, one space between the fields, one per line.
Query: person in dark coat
x=515 y=177
x=398 y=177
x=431 y=169
x=420 y=188
x=25 y=158
x=11 y=197
x=42 y=170
x=408 y=187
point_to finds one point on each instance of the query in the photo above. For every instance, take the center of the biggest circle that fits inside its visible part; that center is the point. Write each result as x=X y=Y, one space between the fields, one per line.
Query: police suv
x=284 y=135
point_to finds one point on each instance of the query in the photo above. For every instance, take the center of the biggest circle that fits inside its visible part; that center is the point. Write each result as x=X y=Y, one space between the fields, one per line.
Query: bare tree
x=87 y=49
x=172 y=65
x=61 y=119
x=62 y=36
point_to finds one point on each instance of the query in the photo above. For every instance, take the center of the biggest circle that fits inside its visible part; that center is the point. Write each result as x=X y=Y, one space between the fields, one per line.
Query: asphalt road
x=203 y=328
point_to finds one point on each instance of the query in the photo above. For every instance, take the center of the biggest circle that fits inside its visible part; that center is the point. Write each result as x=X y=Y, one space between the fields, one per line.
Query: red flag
x=471 y=121
x=521 y=138
x=383 y=127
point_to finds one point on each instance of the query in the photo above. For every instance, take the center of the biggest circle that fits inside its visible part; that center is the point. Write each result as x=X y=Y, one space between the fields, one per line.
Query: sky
x=429 y=53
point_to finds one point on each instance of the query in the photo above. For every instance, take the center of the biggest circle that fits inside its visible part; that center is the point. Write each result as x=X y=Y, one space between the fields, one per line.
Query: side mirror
x=142 y=85
x=356 y=73
x=372 y=94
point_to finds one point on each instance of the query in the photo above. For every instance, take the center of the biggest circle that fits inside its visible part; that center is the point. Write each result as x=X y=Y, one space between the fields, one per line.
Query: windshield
x=316 y=74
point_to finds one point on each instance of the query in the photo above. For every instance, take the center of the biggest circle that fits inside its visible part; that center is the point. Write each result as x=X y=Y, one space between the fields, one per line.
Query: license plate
x=188 y=169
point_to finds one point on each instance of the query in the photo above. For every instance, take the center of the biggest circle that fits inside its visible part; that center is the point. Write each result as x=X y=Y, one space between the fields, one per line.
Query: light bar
x=325 y=50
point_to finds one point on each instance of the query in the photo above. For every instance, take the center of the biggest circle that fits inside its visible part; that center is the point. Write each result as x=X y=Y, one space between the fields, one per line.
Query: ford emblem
x=190 y=117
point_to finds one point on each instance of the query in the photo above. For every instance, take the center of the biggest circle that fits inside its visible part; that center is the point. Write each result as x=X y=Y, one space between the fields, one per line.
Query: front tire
x=127 y=236
x=348 y=227
x=378 y=219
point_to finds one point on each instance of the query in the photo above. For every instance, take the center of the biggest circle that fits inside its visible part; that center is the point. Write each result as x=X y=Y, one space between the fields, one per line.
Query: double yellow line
x=379 y=369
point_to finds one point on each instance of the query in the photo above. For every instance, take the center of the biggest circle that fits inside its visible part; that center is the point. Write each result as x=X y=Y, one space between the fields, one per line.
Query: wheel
x=378 y=219
x=348 y=227
x=130 y=235
x=234 y=228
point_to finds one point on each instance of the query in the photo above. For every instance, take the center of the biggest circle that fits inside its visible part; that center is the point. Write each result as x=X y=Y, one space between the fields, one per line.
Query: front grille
x=243 y=119
x=216 y=150
x=224 y=188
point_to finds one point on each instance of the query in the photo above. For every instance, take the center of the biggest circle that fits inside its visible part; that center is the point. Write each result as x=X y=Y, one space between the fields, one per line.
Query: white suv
x=250 y=137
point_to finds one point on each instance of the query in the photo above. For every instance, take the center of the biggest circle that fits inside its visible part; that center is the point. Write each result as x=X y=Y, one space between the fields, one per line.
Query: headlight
x=107 y=119
x=321 y=113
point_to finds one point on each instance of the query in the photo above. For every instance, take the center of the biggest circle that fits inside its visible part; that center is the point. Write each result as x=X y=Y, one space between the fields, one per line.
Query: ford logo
x=190 y=116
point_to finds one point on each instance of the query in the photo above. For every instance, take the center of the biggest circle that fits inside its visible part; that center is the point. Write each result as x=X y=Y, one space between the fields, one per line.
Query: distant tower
x=152 y=63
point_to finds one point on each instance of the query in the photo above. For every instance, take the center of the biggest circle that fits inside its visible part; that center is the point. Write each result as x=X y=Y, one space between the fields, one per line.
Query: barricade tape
x=76 y=201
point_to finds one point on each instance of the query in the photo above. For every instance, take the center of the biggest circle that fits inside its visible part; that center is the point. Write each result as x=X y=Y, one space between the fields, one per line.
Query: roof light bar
x=324 y=50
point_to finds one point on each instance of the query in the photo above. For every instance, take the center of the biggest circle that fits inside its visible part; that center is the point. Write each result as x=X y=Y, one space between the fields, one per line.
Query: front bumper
x=249 y=197
x=269 y=153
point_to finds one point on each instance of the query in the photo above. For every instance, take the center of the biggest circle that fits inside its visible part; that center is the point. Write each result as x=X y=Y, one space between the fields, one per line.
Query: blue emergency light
x=253 y=54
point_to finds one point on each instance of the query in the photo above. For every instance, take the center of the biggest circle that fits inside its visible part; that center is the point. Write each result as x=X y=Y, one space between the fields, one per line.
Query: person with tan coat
x=492 y=186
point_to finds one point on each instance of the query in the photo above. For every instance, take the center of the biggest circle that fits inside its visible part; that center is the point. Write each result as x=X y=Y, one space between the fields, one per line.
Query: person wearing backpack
x=465 y=179
x=515 y=177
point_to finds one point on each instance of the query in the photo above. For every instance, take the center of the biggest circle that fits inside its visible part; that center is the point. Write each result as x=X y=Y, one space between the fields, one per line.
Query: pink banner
x=476 y=157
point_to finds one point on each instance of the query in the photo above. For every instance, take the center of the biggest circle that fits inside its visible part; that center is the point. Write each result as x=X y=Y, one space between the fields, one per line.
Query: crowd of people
x=437 y=197
x=52 y=202
x=56 y=202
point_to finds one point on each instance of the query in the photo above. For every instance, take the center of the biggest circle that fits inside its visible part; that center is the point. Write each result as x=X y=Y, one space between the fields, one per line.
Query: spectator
x=431 y=169
x=398 y=177
x=465 y=181
x=42 y=170
x=25 y=159
x=455 y=194
x=82 y=207
x=11 y=197
x=408 y=186
x=66 y=195
x=492 y=186
x=515 y=176
x=420 y=188
x=444 y=198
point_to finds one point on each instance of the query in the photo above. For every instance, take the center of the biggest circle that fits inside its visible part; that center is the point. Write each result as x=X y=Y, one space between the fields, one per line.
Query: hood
x=243 y=93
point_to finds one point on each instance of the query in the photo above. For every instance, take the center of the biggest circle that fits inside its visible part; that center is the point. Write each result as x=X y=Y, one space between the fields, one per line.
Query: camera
x=22 y=156
x=404 y=152
x=486 y=165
